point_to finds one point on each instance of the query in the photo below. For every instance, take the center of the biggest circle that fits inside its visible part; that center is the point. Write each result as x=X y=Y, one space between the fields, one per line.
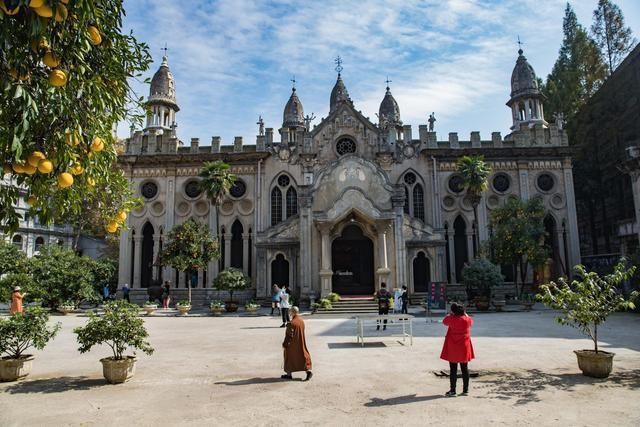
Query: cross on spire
x=520 y=46
x=293 y=80
x=338 y=62
x=165 y=49
x=387 y=82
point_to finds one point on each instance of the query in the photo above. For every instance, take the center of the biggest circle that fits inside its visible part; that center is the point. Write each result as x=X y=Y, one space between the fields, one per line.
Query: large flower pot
x=527 y=305
x=183 y=309
x=118 y=371
x=482 y=304
x=149 y=309
x=231 y=306
x=15 y=369
x=592 y=364
x=251 y=310
x=499 y=304
x=66 y=309
x=216 y=311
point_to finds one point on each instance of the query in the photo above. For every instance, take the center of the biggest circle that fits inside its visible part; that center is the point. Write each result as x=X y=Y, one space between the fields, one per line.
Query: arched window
x=236 y=244
x=39 y=243
x=284 y=200
x=292 y=202
x=406 y=201
x=418 y=202
x=276 y=206
x=17 y=241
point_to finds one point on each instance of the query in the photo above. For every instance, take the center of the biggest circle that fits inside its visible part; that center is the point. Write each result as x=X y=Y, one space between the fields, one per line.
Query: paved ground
x=225 y=371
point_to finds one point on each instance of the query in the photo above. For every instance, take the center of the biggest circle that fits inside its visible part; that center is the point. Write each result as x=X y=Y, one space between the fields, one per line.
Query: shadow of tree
x=526 y=386
x=339 y=345
x=256 y=380
x=400 y=400
x=55 y=385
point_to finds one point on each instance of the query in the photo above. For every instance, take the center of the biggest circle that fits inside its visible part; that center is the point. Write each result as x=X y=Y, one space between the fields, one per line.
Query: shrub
x=231 y=280
x=24 y=330
x=120 y=328
x=184 y=303
x=252 y=304
x=480 y=276
x=11 y=280
x=333 y=297
x=217 y=304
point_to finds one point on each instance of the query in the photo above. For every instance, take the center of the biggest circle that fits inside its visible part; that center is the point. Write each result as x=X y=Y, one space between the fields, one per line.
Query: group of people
x=280 y=302
x=400 y=301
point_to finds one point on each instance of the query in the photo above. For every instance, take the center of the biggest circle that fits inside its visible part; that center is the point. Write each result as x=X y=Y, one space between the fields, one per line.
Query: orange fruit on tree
x=45 y=166
x=51 y=60
x=76 y=169
x=36 y=3
x=35 y=157
x=31 y=201
x=121 y=216
x=17 y=168
x=65 y=179
x=44 y=11
x=29 y=170
x=91 y=182
x=57 y=78
x=61 y=13
x=112 y=227
x=94 y=35
x=97 y=144
x=8 y=11
x=72 y=138
x=43 y=43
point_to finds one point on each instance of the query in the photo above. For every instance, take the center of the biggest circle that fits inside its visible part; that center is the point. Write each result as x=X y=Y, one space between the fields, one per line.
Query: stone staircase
x=200 y=298
x=348 y=306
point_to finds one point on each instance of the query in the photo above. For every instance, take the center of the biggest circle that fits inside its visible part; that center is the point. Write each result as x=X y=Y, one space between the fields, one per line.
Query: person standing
x=383 y=296
x=166 y=294
x=397 y=300
x=405 y=300
x=457 y=348
x=106 y=292
x=284 y=305
x=275 y=299
x=125 y=292
x=16 y=300
x=296 y=354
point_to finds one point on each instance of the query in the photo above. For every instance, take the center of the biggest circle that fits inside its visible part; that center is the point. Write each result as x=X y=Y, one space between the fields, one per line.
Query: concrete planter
x=499 y=304
x=15 y=369
x=183 y=309
x=118 y=371
x=596 y=365
x=66 y=309
x=251 y=310
x=149 y=309
x=528 y=305
x=216 y=311
x=231 y=306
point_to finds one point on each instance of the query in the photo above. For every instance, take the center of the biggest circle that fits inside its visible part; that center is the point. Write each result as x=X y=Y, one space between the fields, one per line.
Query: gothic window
x=292 y=202
x=284 y=200
x=238 y=189
x=149 y=190
x=193 y=189
x=406 y=201
x=545 y=182
x=276 y=206
x=345 y=146
x=418 y=202
x=236 y=244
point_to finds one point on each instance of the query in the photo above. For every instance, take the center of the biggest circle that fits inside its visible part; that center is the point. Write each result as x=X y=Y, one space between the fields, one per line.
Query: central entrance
x=352 y=263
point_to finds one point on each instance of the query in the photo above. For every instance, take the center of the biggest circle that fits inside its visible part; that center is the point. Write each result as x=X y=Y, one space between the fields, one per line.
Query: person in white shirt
x=284 y=305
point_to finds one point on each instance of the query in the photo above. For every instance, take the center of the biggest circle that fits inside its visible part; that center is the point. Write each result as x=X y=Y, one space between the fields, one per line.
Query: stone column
x=326 y=272
x=263 y=287
x=201 y=283
x=397 y=201
x=483 y=220
x=469 y=235
x=523 y=174
x=245 y=253
x=156 y=251
x=137 y=261
x=572 y=234
x=304 y=202
x=383 y=272
x=560 y=239
x=124 y=270
x=227 y=249
x=452 y=256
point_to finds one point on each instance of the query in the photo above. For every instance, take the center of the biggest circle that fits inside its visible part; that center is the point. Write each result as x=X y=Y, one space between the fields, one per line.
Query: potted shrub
x=252 y=307
x=183 y=307
x=66 y=307
x=333 y=297
x=216 y=307
x=120 y=328
x=528 y=301
x=149 y=307
x=585 y=304
x=231 y=280
x=18 y=333
x=479 y=278
x=323 y=303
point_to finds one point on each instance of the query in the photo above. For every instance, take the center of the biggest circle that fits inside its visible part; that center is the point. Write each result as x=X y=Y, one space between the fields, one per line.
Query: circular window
x=149 y=190
x=455 y=184
x=501 y=183
x=283 y=180
x=410 y=178
x=238 y=189
x=545 y=182
x=193 y=189
x=345 y=146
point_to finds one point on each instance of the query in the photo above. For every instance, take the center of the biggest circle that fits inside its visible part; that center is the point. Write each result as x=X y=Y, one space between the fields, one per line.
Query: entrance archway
x=421 y=273
x=352 y=263
x=280 y=271
x=146 y=271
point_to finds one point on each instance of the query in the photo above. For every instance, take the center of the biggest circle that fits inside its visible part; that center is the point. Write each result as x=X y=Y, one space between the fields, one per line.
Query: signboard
x=437 y=295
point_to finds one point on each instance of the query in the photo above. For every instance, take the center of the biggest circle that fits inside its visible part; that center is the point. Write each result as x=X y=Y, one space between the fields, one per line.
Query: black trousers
x=126 y=297
x=383 y=310
x=285 y=314
x=404 y=307
x=453 y=376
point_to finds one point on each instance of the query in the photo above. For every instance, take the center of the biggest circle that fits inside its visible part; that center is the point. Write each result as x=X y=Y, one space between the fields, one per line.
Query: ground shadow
x=400 y=400
x=256 y=380
x=261 y=327
x=525 y=387
x=343 y=345
x=55 y=385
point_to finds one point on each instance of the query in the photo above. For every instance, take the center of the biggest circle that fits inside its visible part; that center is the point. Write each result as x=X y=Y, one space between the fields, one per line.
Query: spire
x=526 y=98
x=293 y=115
x=389 y=112
x=339 y=92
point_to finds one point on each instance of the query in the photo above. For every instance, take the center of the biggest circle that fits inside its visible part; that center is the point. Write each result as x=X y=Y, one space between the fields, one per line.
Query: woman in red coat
x=457 y=347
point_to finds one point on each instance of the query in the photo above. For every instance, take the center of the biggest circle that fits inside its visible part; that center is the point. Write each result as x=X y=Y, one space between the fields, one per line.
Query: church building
x=346 y=204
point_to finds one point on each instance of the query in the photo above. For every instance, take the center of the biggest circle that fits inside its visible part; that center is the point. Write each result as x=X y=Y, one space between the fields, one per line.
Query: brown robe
x=16 y=302
x=296 y=355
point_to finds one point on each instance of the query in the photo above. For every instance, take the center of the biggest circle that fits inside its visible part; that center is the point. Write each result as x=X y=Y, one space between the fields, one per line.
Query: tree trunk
x=189 y=287
x=515 y=275
x=595 y=337
x=524 y=268
x=477 y=233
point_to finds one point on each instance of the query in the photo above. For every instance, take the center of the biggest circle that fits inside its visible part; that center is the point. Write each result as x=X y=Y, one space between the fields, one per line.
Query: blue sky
x=233 y=59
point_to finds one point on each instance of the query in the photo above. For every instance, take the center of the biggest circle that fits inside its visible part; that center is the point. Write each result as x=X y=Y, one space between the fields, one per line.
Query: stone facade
x=347 y=204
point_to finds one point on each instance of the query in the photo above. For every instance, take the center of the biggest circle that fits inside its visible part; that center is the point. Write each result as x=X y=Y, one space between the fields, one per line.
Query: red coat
x=457 y=346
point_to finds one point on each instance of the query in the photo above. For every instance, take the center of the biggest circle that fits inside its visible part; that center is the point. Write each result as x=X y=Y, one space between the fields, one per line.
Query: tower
x=526 y=98
x=339 y=92
x=292 y=118
x=162 y=98
x=389 y=116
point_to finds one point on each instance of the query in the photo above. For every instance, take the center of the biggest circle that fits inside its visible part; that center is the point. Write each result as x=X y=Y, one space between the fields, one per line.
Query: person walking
x=166 y=294
x=125 y=292
x=296 y=354
x=16 y=300
x=284 y=305
x=383 y=296
x=405 y=300
x=275 y=299
x=457 y=348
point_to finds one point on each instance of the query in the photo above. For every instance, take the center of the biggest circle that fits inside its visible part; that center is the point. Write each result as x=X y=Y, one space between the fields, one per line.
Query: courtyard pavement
x=226 y=371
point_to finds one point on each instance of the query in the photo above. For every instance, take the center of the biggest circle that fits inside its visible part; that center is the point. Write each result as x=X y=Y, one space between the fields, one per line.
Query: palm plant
x=475 y=173
x=216 y=181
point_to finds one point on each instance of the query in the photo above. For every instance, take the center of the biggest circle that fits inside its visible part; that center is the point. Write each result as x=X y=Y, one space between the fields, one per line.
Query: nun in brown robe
x=296 y=355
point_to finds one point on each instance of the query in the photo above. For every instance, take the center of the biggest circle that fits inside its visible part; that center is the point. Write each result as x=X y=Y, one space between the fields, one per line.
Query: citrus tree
x=230 y=280
x=64 y=70
x=189 y=247
x=475 y=173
